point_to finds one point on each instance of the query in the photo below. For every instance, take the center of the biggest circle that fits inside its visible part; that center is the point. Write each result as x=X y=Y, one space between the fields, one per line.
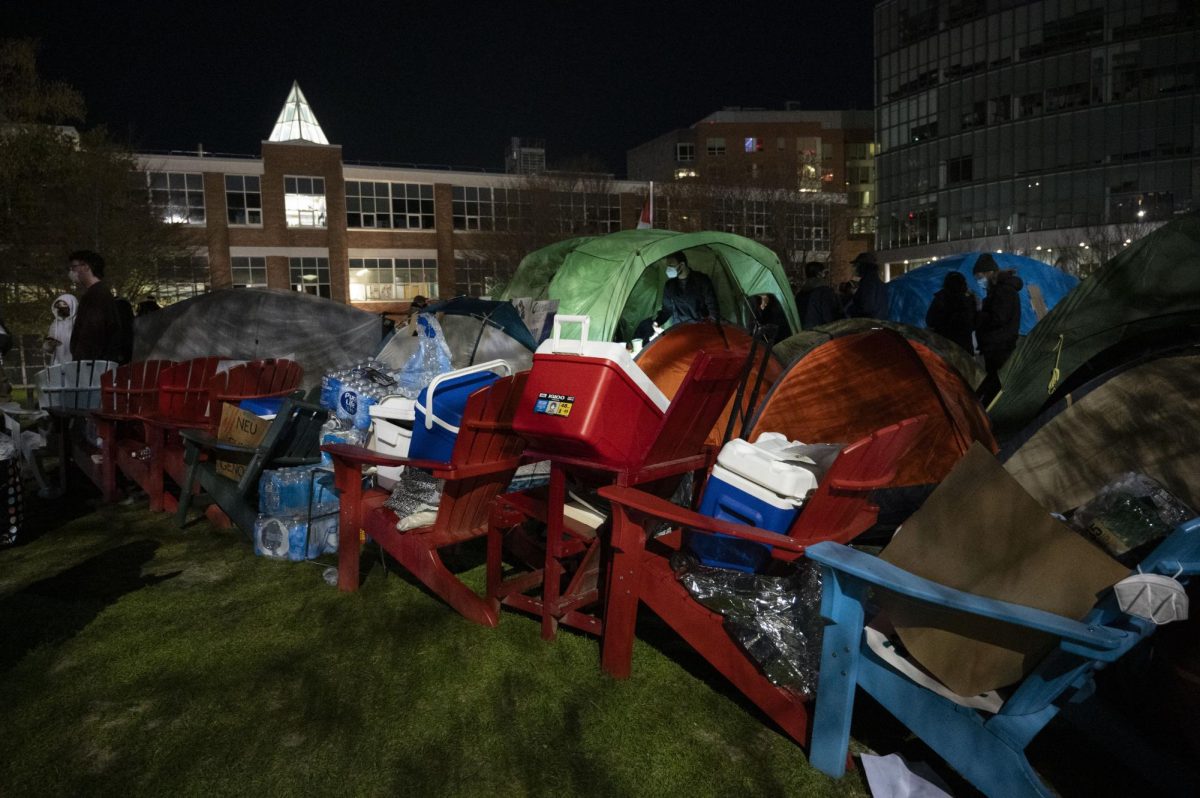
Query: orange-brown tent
x=849 y=387
x=667 y=358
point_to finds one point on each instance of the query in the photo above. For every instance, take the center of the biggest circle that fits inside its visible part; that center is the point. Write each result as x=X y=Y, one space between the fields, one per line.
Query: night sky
x=444 y=83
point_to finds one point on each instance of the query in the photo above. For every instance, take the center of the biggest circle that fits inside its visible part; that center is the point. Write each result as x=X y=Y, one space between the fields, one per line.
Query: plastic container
x=265 y=407
x=294 y=538
x=440 y=407
x=301 y=490
x=753 y=484
x=588 y=399
x=391 y=434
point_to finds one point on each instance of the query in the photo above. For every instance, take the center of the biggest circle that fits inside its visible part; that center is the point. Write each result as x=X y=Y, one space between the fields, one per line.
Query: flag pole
x=652 y=203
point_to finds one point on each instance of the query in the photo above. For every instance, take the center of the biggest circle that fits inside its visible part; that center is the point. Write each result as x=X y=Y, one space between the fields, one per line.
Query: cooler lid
x=399 y=408
x=766 y=467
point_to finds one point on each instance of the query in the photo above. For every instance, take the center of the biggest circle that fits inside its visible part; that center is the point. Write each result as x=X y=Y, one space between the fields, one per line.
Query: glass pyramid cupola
x=296 y=121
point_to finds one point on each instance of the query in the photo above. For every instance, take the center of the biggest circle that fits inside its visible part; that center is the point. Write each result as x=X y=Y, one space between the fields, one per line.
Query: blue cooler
x=266 y=407
x=440 y=409
x=751 y=484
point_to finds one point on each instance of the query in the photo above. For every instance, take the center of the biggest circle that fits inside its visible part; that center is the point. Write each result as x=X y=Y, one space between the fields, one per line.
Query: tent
x=610 y=279
x=848 y=387
x=1138 y=417
x=667 y=358
x=792 y=348
x=1150 y=291
x=476 y=331
x=909 y=295
x=249 y=323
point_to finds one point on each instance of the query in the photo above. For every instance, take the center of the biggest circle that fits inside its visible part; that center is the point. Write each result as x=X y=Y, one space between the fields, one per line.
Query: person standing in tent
x=688 y=295
x=952 y=312
x=999 y=322
x=816 y=300
x=870 y=298
x=57 y=343
x=97 y=331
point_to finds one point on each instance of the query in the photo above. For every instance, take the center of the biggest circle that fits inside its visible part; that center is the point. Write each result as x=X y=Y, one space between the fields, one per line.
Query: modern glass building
x=1033 y=126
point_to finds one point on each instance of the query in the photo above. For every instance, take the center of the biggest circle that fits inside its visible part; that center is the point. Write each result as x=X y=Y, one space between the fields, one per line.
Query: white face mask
x=74 y=276
x=1152 y=597
x=672 y=272
x=981 y=283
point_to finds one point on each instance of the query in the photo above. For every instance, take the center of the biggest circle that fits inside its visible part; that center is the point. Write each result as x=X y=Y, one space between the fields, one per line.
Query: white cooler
x=391 y=433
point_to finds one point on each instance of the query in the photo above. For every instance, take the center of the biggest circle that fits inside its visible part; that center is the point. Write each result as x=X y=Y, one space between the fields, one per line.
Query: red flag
x=647 y=219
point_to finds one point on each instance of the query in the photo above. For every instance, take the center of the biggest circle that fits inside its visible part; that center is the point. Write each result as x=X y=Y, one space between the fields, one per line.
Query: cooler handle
x=584 y=322
x=491 y=365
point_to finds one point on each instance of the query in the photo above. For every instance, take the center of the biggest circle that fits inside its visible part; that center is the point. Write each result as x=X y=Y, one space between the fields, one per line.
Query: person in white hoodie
x=58 y=337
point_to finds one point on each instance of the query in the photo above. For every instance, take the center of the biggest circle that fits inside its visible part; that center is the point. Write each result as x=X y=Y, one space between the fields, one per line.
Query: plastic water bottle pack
x=300 y=490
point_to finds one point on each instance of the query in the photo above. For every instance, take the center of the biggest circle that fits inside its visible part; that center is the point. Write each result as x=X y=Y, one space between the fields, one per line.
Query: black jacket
x=999 y=322
x=817 y=303
x=692 y=299
x=952 y=316
x=870 y=300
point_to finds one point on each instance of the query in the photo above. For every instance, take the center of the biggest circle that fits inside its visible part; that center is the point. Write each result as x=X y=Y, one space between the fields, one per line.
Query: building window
x=387 y=279
x=310 y=275
x=403 y=206
x=685 y=152
x=178 y=196
x=485 y=208
x=586 y=212
x=243 y=199
x=716 y=146
x=685 y=173
x=752 y=144
x=181 y=278
x=304 y=201
x=249 y=272
x=481 y=277
x=960 y=170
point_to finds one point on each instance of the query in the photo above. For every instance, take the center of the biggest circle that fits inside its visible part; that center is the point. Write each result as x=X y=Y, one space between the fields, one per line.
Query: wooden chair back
x=131 y=390
x=72 y=386
x=841 y=509
x=705 y=391
x=183 y=390
x=257 y=379
x=486 y=452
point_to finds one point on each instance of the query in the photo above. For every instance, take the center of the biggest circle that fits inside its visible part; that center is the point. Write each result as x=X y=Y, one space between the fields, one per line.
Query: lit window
x=752 y=144
x=683 y=174
x=181 y=277
x=243 y=199
x=685 y=152
x=309 y=275
x=715 y=146
x=392 y=205
x=178 y=196
x=384 y=279
x=249 y=272
x=304 y=201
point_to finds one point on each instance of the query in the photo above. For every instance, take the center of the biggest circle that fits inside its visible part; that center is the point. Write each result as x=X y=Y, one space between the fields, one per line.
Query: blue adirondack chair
x=987 y=748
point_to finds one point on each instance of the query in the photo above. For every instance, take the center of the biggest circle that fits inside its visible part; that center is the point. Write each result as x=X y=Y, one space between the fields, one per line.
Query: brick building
x=299 y=216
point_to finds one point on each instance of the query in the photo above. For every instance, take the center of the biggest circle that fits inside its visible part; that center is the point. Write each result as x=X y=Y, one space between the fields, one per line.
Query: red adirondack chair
x=485 y=457
x=126 y=394
x=190 y=396
x=839 y=510
x=677 y=448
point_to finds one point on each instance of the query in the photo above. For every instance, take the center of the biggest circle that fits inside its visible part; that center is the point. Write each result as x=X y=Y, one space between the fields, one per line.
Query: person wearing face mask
x=998 y=324
x=688 y=295
x=97 y=331
x=57 y=343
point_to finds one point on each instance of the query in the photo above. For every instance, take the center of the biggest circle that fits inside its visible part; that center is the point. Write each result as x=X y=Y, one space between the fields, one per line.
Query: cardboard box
x=243 y=428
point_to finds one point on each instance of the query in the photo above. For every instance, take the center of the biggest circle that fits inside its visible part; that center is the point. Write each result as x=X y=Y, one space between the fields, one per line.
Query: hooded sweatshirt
x=60 y=330
x=999 y=322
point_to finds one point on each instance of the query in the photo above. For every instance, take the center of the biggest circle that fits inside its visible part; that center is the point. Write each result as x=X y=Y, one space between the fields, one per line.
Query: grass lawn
x=138 y=659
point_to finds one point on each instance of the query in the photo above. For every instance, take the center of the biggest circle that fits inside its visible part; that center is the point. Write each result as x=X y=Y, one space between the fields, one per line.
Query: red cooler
x=589 y=400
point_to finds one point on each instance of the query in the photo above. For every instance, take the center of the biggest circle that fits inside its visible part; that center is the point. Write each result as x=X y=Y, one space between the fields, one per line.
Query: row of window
x=371 y=279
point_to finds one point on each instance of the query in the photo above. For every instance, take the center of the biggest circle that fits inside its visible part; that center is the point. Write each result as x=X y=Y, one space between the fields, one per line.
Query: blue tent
x=909 y=294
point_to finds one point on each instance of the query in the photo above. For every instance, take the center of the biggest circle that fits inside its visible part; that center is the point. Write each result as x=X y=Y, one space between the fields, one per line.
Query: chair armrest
x=359 y=456
x=645 y=506
x=1092 y=637
x=200 y=440
x=863 y=484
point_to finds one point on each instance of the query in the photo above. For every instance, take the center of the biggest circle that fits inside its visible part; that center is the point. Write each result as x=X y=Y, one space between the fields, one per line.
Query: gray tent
x=250 y=323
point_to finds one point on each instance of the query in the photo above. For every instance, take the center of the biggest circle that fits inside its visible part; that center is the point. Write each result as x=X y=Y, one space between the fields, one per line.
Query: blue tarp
x=909 y=294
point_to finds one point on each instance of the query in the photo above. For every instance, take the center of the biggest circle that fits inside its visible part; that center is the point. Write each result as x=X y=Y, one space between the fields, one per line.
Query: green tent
x=610 y=279
x=1151 y=290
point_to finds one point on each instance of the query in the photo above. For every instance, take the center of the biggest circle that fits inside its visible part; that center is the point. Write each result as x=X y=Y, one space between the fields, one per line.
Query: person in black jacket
x=871 y=297
x=816 y=301
x=998 y=324
x=688 y=295
x=952 y=312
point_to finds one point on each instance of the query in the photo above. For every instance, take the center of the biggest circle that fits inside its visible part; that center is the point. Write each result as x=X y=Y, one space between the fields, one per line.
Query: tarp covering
x=799 y=344
x=1140 y=417
x=851 y=386
x=470 y=340
x=910 y=295
x=610 y=279
x=249 y=323
x=667 y=358
x=1151 y=287
x=501 y=315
